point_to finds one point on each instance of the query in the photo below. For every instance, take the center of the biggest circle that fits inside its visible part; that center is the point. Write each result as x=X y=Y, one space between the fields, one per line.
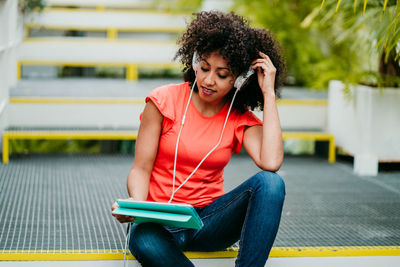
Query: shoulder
x=169 y=89
x=248 y=118
x=166 y=97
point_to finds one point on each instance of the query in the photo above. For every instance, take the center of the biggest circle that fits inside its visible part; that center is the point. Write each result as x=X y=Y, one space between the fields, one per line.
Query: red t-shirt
x=199 y=135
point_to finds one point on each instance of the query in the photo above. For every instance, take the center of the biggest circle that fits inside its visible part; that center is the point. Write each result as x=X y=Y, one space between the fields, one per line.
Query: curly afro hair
x=239 y=44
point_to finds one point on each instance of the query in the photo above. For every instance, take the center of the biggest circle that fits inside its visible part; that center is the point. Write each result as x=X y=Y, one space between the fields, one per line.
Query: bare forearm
x=271 y=153
x=138 y=184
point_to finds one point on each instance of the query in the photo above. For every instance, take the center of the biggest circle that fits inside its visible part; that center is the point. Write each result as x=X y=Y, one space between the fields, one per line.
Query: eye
x=204 y=69
x=222 y=76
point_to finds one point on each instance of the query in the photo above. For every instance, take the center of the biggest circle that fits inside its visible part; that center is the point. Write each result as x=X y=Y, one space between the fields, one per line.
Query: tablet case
x=177 y=215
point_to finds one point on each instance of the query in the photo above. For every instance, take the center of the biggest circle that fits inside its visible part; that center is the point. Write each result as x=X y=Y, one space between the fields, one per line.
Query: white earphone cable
x=127 y=245
x=206 y=156
x=177 y=140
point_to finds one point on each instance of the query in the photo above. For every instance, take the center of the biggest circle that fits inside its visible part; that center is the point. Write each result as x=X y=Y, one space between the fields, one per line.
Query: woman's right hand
x=121 y=218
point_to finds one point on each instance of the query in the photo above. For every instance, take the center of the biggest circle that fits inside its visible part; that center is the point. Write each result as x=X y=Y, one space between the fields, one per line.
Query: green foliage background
x=53 y=146
x=313 y=53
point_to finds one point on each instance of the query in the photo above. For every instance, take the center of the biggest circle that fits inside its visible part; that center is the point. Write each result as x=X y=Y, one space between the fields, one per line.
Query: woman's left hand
x=266 y=72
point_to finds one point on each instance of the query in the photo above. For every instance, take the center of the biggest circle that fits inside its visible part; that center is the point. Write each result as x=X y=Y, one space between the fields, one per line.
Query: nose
x=210 y=78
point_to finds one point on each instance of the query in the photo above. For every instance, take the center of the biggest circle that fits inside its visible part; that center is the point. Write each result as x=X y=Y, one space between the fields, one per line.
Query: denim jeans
x=250 y=213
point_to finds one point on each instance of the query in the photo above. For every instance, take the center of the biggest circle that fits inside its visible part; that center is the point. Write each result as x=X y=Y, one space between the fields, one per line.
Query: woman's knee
x=144 y=239
x=271 y=183
x=153 y=245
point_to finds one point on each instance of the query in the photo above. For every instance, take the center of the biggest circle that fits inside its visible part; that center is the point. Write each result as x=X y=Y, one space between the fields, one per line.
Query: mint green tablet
x=177 y=215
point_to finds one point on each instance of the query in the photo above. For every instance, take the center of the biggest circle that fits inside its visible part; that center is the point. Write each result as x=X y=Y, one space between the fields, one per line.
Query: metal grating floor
x=62 y=202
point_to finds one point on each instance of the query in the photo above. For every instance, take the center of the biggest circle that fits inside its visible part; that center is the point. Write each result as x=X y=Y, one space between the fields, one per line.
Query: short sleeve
x=164 y=101
x=245 y=120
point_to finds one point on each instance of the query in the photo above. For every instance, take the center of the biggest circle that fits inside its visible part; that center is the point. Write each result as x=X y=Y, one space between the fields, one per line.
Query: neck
x=205 y=108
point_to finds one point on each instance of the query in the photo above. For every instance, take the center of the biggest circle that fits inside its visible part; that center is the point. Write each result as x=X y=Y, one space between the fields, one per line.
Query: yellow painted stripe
x=63 y=251
x=83 y=135
x=349 y=251
x=6 y=147
x=18 y=70
x=87 y=40
x=100 y=8
x=116 y=134
x=212 y=255
x=61 y=256
x=71 y=63
x=316 y=136
x=51 y=100
x=165 y=29
x=307 y=135
x=356 y=251
x=112 y=33
x=303 y=102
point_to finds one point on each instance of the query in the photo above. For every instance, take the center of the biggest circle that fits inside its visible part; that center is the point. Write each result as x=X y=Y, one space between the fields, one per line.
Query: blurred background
x=87 y=65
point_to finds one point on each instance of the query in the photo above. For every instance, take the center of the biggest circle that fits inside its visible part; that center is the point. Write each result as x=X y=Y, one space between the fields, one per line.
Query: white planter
x=366 y=125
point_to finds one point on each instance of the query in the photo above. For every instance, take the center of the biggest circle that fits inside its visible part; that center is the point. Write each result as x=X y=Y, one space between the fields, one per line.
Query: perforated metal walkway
x=62 y=203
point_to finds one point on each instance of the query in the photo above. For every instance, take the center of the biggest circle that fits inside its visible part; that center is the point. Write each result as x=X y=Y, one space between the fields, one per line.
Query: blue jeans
x=250 y=213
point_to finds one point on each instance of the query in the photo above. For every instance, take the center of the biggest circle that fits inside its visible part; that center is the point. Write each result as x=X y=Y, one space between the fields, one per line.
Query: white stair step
x=86 y=19
x=70 y=50
x=105 y=3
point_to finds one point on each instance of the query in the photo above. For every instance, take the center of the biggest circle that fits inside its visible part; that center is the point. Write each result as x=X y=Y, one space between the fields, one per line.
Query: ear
x=195 y=61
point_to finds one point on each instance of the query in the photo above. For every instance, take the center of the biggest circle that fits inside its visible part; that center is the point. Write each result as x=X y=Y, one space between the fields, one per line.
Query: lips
x=207 y=91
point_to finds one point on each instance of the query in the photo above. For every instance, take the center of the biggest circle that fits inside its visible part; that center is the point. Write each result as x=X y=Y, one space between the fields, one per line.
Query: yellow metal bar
x=332 y=152
x=212 y=255
x=317 y=137
x=132 y=72
x=61 y=256
x=71 y=63
x=112 y=33
x=88 y=101
x=350 y=251
x=27 y=31
x=307 y=135
x=100 y=8
x=83 y=135
x=64 y=251
x=60 y=135
x=72 y=255
x=51 y=100
x=19 y=70
x=5 y=148
x=302 y=102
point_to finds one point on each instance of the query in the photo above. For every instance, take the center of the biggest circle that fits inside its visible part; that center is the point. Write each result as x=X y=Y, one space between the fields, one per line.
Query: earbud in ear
x=195 y=61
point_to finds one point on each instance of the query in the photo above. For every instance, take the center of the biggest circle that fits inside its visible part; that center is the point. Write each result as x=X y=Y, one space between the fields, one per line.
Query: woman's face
x=214 y=79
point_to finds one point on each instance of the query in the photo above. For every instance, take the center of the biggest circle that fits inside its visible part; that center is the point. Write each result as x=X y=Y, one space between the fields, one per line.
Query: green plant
x=178 y=6
x=54 y=146
x=309 y=51
x=371 y=29
x=26 y=6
